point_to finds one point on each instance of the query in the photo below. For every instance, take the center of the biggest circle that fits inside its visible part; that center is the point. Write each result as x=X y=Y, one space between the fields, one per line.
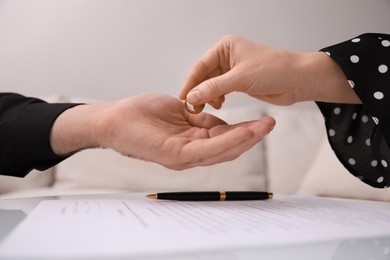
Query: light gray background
x=109 y=49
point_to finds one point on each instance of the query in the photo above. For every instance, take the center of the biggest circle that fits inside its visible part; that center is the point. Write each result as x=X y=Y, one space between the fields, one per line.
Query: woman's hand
x=268 y=74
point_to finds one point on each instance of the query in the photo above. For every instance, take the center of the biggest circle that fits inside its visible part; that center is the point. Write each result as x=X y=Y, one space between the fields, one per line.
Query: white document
x=140 y=226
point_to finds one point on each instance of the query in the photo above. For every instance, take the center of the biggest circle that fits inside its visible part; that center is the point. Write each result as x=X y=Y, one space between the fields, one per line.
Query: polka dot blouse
x=360 y=134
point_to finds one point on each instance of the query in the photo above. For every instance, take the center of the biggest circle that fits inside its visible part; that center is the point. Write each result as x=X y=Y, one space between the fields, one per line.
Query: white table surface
x=13 y=211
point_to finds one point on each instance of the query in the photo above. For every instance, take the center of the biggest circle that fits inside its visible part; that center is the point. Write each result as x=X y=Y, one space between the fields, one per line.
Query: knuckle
x=214 y=88
x=229 y=37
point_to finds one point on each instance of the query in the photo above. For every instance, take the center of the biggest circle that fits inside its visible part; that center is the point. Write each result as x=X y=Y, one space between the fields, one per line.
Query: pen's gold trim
x=152 y=196
x=222 y=195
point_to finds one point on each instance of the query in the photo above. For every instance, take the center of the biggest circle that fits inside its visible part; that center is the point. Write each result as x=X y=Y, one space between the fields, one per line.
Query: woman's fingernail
x=194 y=96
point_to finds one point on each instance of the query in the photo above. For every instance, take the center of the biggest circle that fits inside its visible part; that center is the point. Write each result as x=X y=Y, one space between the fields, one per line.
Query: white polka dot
x=386 y=250
x=382 y=68
x=368 y=142
x=354 y=59
x=376 y=120
x=386 y=43
x=356 y=40
x=350 y=139
x=379 y=95
x=364 y=119
x=380 y=179
x=351 y=83
x=351 y=161
x=354 y=116
x=374 y=163
x=332 y=132
x=327 y=53
x=384 y=163
x=337 y=111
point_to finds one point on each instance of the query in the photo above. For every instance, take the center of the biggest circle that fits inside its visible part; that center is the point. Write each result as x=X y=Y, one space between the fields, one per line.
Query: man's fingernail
x=194 y=96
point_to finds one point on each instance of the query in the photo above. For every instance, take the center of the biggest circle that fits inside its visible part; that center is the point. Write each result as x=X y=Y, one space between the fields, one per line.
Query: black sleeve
x=360 y=134
x=25 y=125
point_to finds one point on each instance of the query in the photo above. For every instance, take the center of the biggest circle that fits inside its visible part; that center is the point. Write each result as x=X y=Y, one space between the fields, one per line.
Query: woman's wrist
x=323 y=80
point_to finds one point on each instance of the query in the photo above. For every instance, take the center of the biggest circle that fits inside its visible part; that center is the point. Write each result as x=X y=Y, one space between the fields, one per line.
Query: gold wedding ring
x=193 y=109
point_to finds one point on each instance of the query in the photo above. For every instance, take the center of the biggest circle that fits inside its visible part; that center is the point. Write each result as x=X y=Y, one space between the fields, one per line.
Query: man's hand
x=156 y=127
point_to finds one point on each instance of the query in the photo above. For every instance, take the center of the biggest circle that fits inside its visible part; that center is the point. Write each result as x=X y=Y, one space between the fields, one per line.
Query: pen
x=212 y=195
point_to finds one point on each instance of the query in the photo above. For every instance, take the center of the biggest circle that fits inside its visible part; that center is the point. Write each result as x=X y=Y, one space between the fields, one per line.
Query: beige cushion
x=35 y=179
x=292 y=145
x=106 y=169
x=328 y=177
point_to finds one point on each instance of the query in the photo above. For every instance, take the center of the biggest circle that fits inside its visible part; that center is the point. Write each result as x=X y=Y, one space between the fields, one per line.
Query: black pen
x=212 y=195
